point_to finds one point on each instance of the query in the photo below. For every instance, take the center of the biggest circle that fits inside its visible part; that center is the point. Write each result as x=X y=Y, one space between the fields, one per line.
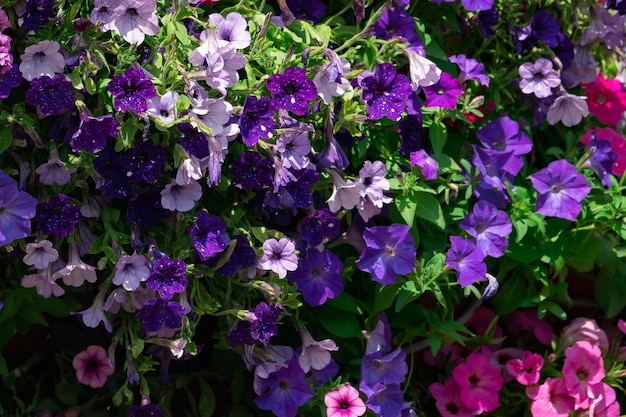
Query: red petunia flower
x=606 y=99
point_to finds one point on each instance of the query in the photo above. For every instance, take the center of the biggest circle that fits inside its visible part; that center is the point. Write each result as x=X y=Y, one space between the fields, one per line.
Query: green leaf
x=338 y=323
x=509 y=295
x=385 y=297
x=65 y=392
x=610 y=291
x=206 y=403
x=428 y=208
x=408 y=293
x=438 y=134
x=6 y=137
x=407 y=206
x=137 y=347
x=345 y=302
x=583 y=249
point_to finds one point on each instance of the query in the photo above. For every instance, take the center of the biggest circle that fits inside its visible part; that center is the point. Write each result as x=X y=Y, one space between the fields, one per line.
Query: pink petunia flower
x=93 y=367
x=344 y=402
x=448 y=399
x=582 y=328
x=526 y=370
x=618 y=145
x=583 y=368
x=606 y=99
x=480 y=382
x=551 y=399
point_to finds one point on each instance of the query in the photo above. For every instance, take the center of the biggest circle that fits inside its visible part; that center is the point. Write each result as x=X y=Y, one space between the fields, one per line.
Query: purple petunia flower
x=318 y=276
x=145 y=161
x=389 y=368
x=292 y=91
x=467 y=260
x=194 y=141
x=319 y=225
x=251 y=171
x=130 y=271
x=131 y=91
x=145 y=209
x=412 y=133
x=538 y=78
x=9 y=80
x=93 y=132
x=296 y=193
x=543 y=26
x=168 y=277
x=489 y=227
x=181 y=198
x=208 y=235
x=147 y=410
x=397 y=22
x=312 y=10
x=470 y=69
x=427 y=165
x=477 y=5
x=256 y=119
x=389 y=251
x=134 y=19
x=16 y=210
x=163 y=107
x=260 y=326
x=503 y=134
x=242 y=256
x=287 y=389
x=232 y=28
x=486 y=20
x=602 y=159
x=444 y=93
x=385 y=400
x=279 y=256
x=34 y=14
x=294 y=150
x=385 y=92
x=58 y=216
x=156 y=313
x=54 y=170
x=561 y=189
x=50 y=95
x=114 y=183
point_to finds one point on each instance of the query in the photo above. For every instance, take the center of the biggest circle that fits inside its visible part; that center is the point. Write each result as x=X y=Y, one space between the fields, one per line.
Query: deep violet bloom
x=489 y=227
x=561 y=189
x=543 y=27
x=251 y=171
x=318 y=276
x=487 y=20
x=503 y=134
x=444 y=93
x=601 y=160
x=467 y=260
x=397 y=22
x=256 y=119
x=168 y=277
x=344 y=402
x=287 y=389
x=58 y=216
x=131 y=91
x=156 y=313
x=108 y=164
x=412 y=133
x=35 y=14
x=259 y=327
x=480 y=383
x=92 y=366
x=389 y=252
x=194 y=141
x=319 y=225
x=312 y=10
x=50 y=95
x=242 y=256
x=296 y=193
x=208 y=235
x=145 y=209
x=16 y=210
x=93 y=133
x=145 y=161
x=9 y=80
x=385 y=92
x=147 y=410
x=292 y=91
x=384 y=400
x=279 y=256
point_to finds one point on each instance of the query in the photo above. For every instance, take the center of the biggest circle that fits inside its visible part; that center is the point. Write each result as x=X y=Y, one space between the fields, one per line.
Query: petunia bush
x=303 y=208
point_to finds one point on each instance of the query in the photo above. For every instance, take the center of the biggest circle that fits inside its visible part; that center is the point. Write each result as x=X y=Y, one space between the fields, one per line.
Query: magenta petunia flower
x=93 y=366
x=480 y=383
x=551 y=399
x=444 y=93
x=389 y=252
x=561 y=189
x=526 y=370
x=344 y=402
x=583 y=368
x=448 y=399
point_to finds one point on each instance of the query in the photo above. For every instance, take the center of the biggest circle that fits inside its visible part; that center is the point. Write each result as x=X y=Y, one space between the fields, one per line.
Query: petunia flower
x=426 y=164
x=163 y=107
x=489 y=227
x=134 y=19
x=291 y=90
x=526 y=370
x=315 y=354
x=470 y=68
x=41 y=59
x=208 y=235
x=40 y=254
x=423 y=71
x=93 y=366
x=157 y=313
x=43 y=282
x=477 y=5
x=318 y=276
x=448 y=399
x=385 y=92
x=232 y=29
x=17 y=208
x=287 y=389
x=568 y=109
x=130 y=271
x=504 y=134
x=50 y=95
x=606 y=99
x=467 y=260
x=93 y=132
x=444 y=93
x=181 y=198
x=256 y=120
x=538 y=78
x=480 y=383
x=146 y=410
x=57 y=216
x=54 y=170
x=344 y=402
x=76 y=272
x=131 y=91
x=279 y=256
x=583 y=368
x=168 y=277
x=561 y=189
x=551 y=399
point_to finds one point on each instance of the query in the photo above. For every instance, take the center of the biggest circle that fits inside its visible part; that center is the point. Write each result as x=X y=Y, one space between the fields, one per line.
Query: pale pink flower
x=551 y=399
x=315 y=355
x=41 y=59
x=583 y=368
x=526 y=370
x=93 y=367
x=480 y=383
x=344 y=402
x=76 y=272
x=40 y=254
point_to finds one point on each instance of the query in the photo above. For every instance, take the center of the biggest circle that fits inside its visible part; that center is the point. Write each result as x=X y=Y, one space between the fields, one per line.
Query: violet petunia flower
x=312 y=10
x=538 y=78
x=426 y=164
x=256 y=120
x=157 y=313
x=489 y=227
x=33 y=14
x=16 y=209
x=292 y=91
x=251 y=171
x=477 y=5
x=294 y=150
x=131 y=91
x=40 y=254
x=319 y=225
x=54 y=170
x=93 y=132
x=50 y=95
x=561 y=189
x=503 y=134
x=181 y=198
x=208 y=235
x=260 y=325
x=163 y=107
x=385 y=92
x=146 y=410
x=57 y=216
x=287 y=389
x=318 y=276
x=470 y=69
x=279 y=256
x=76 y=272
x=602 y=159
x=389 y=251
x=397 y=22
x=168 y=277
x=389 y=368
x=444 y=93
x=467 y=260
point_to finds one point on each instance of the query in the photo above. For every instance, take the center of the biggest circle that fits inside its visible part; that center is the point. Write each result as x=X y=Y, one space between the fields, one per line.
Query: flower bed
x=302 y=207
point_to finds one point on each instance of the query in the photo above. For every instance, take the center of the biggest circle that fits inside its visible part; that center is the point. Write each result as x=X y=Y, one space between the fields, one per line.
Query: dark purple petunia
x=50 y=95
x=296 y=193
x=148 y=410
x=617 y=5
x=318 y=276
x=114 y=183
x=58 y=216
x=390 y=368
x=312 y=10
x=543 y=27
x=561 y=189
x=256 y=119
x=16 y=210
x=145 y=210
x=261 y=327
x=9 y=80
x=208 y=235
x=168 y=277
x=602 y=159
x=489 y=227
x=397 y=22
x=287 y=389
x=444 y=93
x=251 y=171
x=319 y=225
x=412 y=133
x=131 y=91
x=242 y=256
x=487 y=20
x=145 y=161
x=194 y=141
x=389 y=252
x=385 y=92
x=35 y=14
x=156 y=313
x=292 y=91
x=564 y=51
x=467 y=260
x=93 y=133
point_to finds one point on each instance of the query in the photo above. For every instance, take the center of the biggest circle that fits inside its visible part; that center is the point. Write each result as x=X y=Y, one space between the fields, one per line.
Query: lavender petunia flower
x=102 y=14
x=208 y=235
x=389 y=251
x=41 y=59
x=477 y=5
x=279 y=256
x=44 y=283
x=232 y=29
x=57 y=216
x=131 y=91
x=561 y=189
x=315 y=354
x=76 y=272
x=294 y=150
x=538 y=78
x=168 y=277
x=390 y=368
x=156 y=313
x=423 y=71
x=467 y=260
x=385 y=92
x=94 y=315
x=332 y=155
x=54 y=170
x=292 y=91
x=163 y=107
x=378 y=339
x=16 y=210
x=569 y=109
x=131 y=271
x=318 y=276
x=40 y=254
x=134 y=19
x=489 y=227
x=329 y=79
x=50 y=95
x=181 y=198
x=213 y=113
x=470 y=69
x=256 y=120
x=444 y=93
x=346 y=194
